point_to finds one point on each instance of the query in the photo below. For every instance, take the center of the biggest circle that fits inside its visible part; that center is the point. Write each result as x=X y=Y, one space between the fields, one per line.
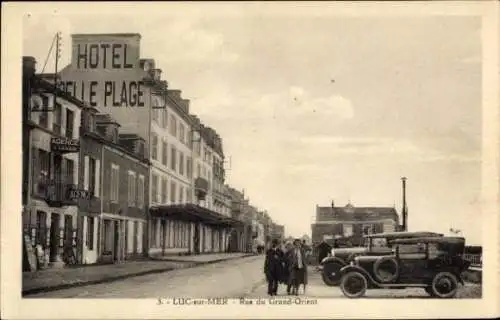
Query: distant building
x=278 y=231
x=352 y=222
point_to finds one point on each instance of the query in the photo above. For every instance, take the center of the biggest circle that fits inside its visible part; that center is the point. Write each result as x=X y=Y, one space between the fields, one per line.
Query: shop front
x=190 y=229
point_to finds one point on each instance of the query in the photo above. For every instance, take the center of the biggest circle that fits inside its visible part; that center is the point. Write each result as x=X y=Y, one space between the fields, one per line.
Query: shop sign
x=75 y=194
x=64 y=145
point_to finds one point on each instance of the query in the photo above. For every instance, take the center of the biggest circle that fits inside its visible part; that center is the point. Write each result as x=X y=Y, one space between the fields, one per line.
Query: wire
x=48 y=54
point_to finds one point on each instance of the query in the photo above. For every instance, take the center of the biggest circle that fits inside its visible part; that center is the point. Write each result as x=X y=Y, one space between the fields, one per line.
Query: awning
x=193 y=213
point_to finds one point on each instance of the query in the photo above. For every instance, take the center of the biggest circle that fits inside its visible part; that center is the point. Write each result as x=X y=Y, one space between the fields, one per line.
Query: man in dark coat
x=298 y=267
x=273 y=267
x=323 y=250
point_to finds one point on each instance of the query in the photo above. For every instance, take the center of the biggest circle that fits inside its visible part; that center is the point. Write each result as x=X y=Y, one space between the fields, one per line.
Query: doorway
x=55 y=220
x=116 y=246
x=196 y=238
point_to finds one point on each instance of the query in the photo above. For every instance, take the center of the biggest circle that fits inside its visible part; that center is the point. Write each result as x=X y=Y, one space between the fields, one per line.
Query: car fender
x=332 y=259
x=350 y=268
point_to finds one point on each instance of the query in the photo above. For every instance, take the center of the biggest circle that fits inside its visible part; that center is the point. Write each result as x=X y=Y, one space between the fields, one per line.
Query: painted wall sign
x=103 y=56
x=108 y=93
x=64 y=145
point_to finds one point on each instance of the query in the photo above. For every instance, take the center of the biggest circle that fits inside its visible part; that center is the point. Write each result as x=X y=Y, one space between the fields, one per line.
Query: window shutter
x=86 y=174
x=97 y=188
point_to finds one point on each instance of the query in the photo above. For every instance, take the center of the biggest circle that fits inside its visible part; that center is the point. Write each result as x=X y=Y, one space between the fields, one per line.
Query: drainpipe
x=404 y=210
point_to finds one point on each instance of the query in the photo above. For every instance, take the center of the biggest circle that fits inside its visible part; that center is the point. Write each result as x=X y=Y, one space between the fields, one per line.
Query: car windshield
x=379 y=243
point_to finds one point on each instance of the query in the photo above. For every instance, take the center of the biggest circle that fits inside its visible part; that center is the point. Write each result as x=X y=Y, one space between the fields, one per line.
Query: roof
x=77 y=35
x=351 y=212
x=429 y=239
x=39 y=83
x=193 y=212
x=404 y=234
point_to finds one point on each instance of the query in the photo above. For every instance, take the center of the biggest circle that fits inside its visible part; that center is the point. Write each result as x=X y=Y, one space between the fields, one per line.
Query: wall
x=126 y=163
x=113 y=85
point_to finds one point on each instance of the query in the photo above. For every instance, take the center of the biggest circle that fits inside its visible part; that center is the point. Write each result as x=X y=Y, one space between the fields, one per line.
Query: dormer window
x=115 y=134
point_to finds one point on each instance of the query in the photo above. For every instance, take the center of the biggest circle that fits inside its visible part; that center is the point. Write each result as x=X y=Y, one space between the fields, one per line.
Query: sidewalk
x=204 y=258
x=57 y=279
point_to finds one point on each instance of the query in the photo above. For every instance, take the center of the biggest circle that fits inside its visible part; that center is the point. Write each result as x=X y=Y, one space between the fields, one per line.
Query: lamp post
x=404 y=210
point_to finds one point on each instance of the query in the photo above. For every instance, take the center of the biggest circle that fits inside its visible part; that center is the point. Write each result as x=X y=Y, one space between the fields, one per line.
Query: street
x=233 y=278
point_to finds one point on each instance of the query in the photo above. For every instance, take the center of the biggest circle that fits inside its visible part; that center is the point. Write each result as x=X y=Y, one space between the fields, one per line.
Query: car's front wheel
x=331 y=273
x=353 y=284
x=444 y=285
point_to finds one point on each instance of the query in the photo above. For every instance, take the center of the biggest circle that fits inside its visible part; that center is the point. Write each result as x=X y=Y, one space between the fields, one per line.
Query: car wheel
x=331 y=273
x=386 y=269
x=444 y=285
x=353 y=284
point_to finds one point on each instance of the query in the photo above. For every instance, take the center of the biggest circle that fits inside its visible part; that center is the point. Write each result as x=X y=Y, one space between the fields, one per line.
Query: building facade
x=51 y=169
x=352 y=222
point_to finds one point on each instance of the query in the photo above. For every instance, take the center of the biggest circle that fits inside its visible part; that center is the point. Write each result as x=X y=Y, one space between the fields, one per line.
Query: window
x=154 y=147
x=182 y=133
x=165 y=118
x=172 y=191
x=189 y=193
x=69 y=174
x=140 y=191
x=164 y=153
x=91 y=175
x=89 y=241
x=40 y=165
x=115 y=179
x=131 y=189
x=56 y=125
x=181 y=194
x=154 y=188
x=43 y=119
x=181 y=163
x=164 y=190
x=189 y=167
x=173 y=125
x=156 y=115
x=173 y=158
x=70 y=118
x=190 y=140
x=199 y=170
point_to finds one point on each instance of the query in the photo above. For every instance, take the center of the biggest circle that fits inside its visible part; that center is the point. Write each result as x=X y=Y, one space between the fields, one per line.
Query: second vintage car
x=434 y=264
x=374 y=244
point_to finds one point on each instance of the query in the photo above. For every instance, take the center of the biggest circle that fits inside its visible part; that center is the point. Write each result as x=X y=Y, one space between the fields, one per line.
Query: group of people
x=286 y=264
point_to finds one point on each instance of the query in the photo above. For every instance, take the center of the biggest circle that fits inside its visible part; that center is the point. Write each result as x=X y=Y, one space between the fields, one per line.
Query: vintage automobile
x=432 y=263
x=374 y=244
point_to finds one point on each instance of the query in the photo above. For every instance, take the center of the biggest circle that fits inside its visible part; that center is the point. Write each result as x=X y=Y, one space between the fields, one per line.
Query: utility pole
x=405 y=209
x=58 y=54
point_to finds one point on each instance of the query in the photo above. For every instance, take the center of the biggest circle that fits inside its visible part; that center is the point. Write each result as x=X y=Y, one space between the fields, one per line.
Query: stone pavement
x=203 y=258
x=57 y=279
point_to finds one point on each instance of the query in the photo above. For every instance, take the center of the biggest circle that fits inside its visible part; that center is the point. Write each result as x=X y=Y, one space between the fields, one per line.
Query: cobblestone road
x=233 y=278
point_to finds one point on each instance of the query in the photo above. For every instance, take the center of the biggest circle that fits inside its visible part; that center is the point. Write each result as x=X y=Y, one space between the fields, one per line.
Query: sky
x=319 y=108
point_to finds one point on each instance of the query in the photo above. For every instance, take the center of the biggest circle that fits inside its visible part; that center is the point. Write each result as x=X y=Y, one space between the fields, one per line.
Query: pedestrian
x=273 y=267
x=298 y=267
x=287 y=266
x=323 y=250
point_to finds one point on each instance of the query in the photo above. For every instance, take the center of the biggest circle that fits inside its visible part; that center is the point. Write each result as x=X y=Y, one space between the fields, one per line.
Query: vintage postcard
x=250 y=160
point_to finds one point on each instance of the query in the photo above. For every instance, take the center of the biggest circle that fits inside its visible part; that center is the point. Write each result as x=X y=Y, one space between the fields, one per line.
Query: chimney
x=404 y=210
x=176 y=94
x=29 y=66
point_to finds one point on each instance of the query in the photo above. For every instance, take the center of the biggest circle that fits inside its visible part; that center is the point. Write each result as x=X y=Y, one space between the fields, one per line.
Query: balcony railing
x=59 y=193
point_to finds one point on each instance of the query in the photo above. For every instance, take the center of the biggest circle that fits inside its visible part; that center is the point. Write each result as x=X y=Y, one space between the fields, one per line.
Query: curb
x=122 y=277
